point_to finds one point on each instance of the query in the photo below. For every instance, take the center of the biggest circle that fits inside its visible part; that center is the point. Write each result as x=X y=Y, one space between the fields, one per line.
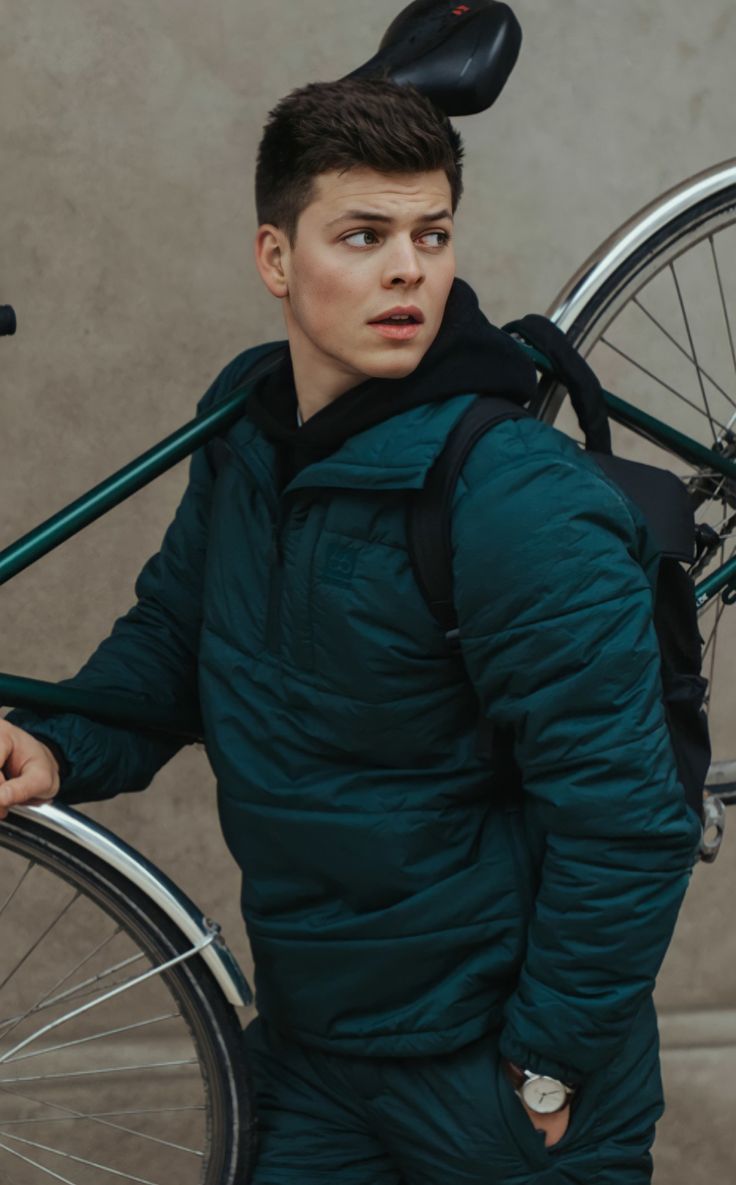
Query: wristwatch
x=539 y=1092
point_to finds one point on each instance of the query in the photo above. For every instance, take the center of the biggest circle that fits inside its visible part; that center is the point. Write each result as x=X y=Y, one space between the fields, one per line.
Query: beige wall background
x=126 y=220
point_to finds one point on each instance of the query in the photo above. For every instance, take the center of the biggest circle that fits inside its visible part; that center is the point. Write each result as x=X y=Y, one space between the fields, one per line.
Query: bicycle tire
x=607 y=305
x=40 y=868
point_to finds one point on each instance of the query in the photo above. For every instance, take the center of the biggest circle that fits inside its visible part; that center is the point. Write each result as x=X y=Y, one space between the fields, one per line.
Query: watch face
x=544 y=1095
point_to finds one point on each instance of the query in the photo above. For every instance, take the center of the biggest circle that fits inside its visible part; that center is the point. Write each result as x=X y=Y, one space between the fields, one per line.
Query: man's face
x=367 y=243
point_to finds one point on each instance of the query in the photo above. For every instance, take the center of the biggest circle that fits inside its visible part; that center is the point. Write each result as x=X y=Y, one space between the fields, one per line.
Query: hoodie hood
x=468 y=355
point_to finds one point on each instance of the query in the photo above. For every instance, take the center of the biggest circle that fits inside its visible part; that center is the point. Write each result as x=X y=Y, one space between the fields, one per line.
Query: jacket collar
x=393 y=455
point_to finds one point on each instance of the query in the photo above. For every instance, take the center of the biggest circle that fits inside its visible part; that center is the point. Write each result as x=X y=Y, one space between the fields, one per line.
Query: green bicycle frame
x=142 y=714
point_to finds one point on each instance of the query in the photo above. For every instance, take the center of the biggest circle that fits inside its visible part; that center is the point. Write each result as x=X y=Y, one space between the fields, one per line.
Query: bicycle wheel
x=119 y=1056
x=652 y=311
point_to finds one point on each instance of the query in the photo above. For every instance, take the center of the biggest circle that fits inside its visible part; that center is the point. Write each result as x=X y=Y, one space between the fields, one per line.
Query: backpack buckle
x=714 y=825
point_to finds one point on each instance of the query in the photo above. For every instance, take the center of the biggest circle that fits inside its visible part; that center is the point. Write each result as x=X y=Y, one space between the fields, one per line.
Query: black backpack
x=667 y=509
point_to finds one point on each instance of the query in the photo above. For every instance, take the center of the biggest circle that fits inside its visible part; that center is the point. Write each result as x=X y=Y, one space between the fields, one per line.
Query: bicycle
x=155 y=975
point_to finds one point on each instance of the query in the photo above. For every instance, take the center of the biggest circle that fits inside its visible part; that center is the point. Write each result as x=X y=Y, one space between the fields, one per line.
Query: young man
x=449 y=990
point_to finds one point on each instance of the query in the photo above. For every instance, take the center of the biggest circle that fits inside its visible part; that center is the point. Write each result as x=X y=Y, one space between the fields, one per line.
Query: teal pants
x=454 y=1119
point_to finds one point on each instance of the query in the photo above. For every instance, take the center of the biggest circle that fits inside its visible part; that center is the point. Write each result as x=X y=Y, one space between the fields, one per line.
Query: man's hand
x=30 y=772
x=554 y=1126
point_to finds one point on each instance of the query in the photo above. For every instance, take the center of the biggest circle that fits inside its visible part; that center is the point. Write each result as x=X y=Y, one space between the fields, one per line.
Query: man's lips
x=398 y=330
x=406 y=310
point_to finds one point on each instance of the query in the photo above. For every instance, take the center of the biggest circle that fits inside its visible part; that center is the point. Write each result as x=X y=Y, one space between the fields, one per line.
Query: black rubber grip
x=7 y=321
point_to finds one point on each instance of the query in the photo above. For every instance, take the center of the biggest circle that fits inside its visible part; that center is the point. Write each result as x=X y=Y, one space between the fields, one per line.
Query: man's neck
x=309 y=407
x=316 y=380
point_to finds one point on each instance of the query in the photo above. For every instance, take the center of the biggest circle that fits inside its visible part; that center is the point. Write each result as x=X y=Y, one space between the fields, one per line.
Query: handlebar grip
x=7 y=321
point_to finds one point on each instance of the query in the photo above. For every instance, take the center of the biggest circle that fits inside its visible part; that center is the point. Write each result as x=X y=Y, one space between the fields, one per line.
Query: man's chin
x=395 y=366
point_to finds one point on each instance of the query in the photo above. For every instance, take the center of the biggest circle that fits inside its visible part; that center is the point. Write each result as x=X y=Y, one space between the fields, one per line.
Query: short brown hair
x=324 y=126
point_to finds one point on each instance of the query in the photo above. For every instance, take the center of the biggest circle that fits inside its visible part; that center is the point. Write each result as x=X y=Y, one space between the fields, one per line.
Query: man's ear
x=271 y=250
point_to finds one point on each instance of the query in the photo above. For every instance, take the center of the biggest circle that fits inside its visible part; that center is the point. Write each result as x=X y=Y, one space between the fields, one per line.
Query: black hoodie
x=467 y=355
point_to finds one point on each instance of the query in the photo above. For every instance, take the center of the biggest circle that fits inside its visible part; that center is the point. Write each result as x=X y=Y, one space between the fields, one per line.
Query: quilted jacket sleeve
x=151 y=652
x=554 y=609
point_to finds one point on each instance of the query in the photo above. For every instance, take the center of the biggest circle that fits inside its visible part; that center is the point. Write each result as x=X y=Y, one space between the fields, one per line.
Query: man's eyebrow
x=368 y=216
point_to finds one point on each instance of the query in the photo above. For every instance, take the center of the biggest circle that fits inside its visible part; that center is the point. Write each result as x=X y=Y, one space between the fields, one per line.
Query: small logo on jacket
x=340 y=564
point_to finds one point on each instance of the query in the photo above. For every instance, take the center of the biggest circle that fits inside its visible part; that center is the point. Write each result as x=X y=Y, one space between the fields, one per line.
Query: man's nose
x=404 y=264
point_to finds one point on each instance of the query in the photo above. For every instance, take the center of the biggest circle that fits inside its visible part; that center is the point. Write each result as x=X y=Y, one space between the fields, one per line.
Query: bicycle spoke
x=670 y=337
x=673 y=390
x=73 y=1116
x=41 y=1001
x=128 y=1131
x=710 y=642
x=723 y=301
x=36 y=1165
x=15 y=889
x=692 y=347
x=719 y=613
x=92 y=1164
x=73 y=970
x=718 y=492
x=54 y=1024
x=139 y=1024
x=6 y=1082
x=74 y=993
x=725 y=509
x=131 y=1131
x=698 y=474
x=77 y=992
x=103 y=1119
x=39 y=940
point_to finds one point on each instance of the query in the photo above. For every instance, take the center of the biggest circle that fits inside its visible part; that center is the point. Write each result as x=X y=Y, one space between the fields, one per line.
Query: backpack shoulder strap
x=571 y=369
x=428 y=513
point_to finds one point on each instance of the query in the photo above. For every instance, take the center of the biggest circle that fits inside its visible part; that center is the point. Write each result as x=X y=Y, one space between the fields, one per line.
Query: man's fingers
x=15 y=793
x=29 y=770
x=15 y=790
x=6 y=748
x=32 y=783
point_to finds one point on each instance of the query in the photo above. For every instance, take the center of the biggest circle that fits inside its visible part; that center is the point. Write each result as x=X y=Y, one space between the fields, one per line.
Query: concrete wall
x=129 y=134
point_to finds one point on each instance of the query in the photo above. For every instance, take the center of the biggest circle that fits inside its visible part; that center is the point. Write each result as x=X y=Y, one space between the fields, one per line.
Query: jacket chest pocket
x=368 y=628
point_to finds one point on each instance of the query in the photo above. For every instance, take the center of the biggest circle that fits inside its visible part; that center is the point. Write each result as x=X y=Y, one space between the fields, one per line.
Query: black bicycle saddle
x=459 y=54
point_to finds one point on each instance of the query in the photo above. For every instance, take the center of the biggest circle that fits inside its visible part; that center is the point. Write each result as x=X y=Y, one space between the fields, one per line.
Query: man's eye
x=443 y=236
x=357 y=234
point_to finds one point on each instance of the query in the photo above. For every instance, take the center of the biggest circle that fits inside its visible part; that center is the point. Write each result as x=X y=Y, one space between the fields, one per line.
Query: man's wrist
x=519 y=1078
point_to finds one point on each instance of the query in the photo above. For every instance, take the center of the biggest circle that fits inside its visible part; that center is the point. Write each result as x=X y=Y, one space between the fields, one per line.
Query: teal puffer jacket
x=394 y=905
